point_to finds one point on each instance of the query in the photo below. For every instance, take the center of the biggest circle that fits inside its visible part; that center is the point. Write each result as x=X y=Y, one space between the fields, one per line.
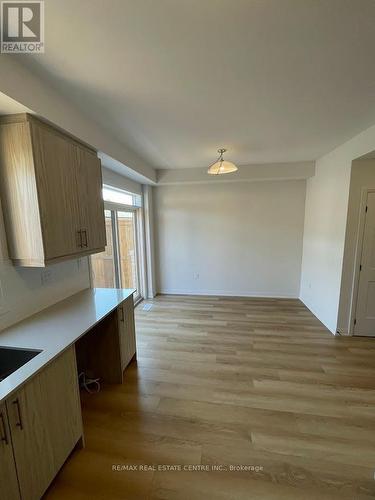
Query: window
x=121 y=197
x=103 y=264
x=119 y=266
x=126 y=230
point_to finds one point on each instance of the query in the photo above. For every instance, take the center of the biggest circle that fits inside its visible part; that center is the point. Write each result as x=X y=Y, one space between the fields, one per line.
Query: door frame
x=358 y=257
x=138 y=297
x=139 y=245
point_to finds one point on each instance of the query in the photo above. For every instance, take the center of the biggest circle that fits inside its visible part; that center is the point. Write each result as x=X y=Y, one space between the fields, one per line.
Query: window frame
x=139 y=245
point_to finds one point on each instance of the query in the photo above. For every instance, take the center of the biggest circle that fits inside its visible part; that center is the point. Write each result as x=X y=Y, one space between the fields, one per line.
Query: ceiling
x=270 y=80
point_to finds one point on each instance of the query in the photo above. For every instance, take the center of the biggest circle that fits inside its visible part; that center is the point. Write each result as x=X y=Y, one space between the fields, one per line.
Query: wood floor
x=231 y=382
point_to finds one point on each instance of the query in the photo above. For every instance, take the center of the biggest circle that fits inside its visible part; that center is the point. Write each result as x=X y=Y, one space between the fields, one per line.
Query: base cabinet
x=8 y=477
x=41 y=423
x=45 y=424
x=126 y=331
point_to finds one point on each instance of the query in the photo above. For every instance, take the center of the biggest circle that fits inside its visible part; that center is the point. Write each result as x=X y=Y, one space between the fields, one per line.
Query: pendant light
x=222 y=166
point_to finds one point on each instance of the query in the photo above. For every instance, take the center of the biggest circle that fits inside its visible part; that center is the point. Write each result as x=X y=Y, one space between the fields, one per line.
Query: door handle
x=4 y=435
x=85 y=244
x=79 y=239
x=19 y=423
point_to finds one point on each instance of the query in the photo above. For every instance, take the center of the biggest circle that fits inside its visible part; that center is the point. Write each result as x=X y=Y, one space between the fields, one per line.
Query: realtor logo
x=22 y=27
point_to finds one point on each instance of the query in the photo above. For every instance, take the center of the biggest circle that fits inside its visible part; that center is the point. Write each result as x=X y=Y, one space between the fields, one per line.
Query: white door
x=365 y=312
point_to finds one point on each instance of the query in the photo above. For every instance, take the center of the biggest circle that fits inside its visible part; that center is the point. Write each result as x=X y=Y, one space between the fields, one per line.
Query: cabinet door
x=56 y=175
x=124 y=340
x=128 y=306
x=8 y=477
x=91 y=199
x=126 y=331
x=45 y=421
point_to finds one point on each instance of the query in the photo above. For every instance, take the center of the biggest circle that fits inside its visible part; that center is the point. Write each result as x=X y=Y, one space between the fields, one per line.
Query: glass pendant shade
x=222 y=166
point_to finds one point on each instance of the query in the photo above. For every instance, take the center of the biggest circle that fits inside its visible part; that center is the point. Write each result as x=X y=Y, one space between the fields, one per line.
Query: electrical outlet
x=46 y=277
x=196 y=276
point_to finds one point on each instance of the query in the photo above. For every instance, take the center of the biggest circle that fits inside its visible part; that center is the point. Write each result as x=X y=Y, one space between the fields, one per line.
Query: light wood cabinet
x=91 y=200
x=55 y=176
x=8 y=477
x=51 y=193
x=126 y=324
x=45 y=422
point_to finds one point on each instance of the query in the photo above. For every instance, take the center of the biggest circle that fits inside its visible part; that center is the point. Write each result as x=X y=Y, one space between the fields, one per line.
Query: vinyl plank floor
x=254 y=394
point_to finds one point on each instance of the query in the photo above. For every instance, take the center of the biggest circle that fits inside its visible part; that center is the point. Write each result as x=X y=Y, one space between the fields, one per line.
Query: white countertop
x=56 y=328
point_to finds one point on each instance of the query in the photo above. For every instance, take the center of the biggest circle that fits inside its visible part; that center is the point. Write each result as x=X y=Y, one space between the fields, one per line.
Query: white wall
x=325 y=219
x=22 y=292
x=149 y=241
x=241 y=239
x=119 y=181
x=327 y=199
x=362 y=178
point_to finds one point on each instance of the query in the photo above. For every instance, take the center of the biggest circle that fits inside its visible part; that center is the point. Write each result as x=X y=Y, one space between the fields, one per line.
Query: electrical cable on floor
x=85 y=383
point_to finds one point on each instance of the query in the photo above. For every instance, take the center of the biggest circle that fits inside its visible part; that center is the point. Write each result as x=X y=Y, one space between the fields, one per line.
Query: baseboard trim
x=215 y=293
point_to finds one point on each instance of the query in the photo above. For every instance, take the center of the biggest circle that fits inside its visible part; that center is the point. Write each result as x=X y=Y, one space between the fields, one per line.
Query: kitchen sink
x=12 y=358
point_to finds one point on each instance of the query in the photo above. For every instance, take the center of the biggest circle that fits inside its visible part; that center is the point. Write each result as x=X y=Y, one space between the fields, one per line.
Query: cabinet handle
x=85 y=244
x=19 y=423
x=122 y=317
x=79 y=238
x=4 y=436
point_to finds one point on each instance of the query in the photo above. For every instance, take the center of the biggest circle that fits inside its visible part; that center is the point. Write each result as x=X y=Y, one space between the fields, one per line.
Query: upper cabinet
x=91 y=201
x=51 y=193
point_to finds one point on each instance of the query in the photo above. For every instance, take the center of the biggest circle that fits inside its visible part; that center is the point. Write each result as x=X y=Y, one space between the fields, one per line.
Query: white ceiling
x=271 y=80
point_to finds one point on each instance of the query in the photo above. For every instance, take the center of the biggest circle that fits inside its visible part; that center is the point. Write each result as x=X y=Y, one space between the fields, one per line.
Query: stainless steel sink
x=12 y=358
